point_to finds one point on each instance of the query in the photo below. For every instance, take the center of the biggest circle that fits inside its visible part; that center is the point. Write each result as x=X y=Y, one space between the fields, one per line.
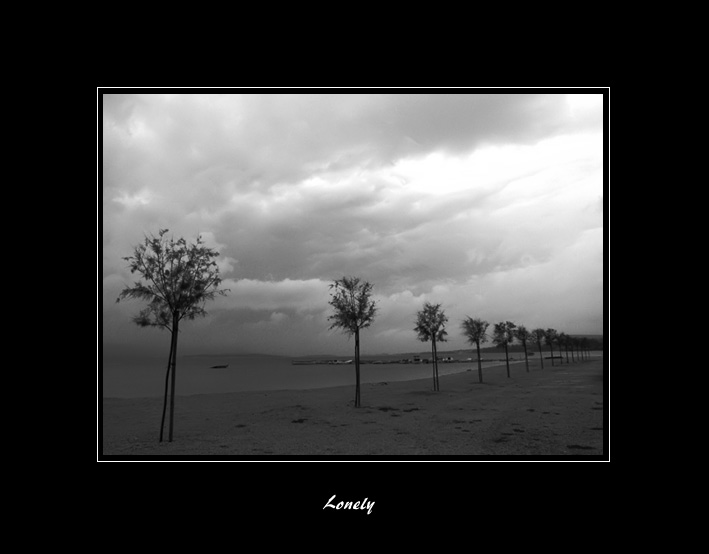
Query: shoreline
x=422 y=379
x=388 y=375
x=557 y=411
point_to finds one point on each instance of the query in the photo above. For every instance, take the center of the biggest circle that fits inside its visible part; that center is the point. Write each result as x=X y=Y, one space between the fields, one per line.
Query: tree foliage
x=354 y=307
x=475 y=330
x=504 y=335
x=177 y=280
x=430 y=326
x=523 y=336
x=550 y=336
x=431 y=323
x=538 y=336
x=354 y=310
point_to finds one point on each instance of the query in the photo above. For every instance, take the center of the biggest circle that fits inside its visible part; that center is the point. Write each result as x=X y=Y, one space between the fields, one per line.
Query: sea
x=144 y=376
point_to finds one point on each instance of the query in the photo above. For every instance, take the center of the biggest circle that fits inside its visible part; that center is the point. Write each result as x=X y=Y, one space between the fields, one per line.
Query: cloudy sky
x=490 y=204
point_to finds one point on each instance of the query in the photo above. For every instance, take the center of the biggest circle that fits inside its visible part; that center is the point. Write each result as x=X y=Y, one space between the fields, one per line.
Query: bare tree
x=178 y=279
x=430 y=325
x=475 y=331
x=354 y=310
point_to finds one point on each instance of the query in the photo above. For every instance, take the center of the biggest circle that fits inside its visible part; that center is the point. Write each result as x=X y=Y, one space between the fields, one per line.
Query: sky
x=489 y=204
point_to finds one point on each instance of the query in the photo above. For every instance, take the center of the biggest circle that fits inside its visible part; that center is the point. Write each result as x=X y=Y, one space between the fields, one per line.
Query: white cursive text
x=364 y=505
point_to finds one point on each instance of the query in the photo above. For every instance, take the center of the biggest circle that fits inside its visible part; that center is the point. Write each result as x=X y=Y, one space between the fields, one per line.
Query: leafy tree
x=550 y=337
x=584 y=348
x=559 y=340
x=177 y=280
x=502 y=336
x=571 y=341
x=475 y=331
x=430 y=325
x=523 y=336
x=563 y=340
x=537 y=336
x=574 y=342
x=354 y=310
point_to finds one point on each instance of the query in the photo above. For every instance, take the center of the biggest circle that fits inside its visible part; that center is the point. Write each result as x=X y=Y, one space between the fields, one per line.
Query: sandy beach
x=550 y=412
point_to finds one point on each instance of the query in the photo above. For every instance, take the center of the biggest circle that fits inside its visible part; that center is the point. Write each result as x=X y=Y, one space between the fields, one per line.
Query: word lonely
x=364 y=505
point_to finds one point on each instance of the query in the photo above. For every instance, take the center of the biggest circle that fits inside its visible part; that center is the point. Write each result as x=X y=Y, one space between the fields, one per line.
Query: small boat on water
x=219 y=366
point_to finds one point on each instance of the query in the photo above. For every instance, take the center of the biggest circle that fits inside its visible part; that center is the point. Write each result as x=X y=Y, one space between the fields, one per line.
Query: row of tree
x=179 y=278
x=506 y=332
x=355 y=310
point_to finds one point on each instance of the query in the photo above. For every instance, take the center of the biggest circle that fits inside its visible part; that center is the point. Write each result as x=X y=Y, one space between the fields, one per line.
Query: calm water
x=141 y=377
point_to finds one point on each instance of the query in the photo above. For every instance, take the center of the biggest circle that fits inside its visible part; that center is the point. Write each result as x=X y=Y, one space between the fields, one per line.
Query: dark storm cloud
x=253 y=141
x=455 y=196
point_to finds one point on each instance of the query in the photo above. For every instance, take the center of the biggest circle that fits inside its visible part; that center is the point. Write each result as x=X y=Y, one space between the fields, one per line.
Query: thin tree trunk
x=541 y=355
x=566 y=347
x=357 y=395
x=438 y=381
x=507 y=361
x=438 y=385
x=551 y=349
x=175 y=323
x=526 y=360
x=433 y=364
x=435 y=382
x=480 y=364
x=164 y=402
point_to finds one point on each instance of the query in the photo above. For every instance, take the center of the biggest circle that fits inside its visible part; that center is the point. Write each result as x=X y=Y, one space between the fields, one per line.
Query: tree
x=523 y=336
x=570 y=342
x=584 y=348
x=574 y=355
x=559 y=339
x=537 y=336
x=502 y=336
x=354 y=310
x=430 y=325
x=475 y=331
x=550 y=337
x=563 y=340
x=178 y=279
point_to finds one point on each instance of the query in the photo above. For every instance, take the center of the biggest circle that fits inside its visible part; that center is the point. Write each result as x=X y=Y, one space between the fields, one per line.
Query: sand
x=551 y=412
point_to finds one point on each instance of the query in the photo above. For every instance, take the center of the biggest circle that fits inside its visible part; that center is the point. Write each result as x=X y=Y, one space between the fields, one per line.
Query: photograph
x=352 y=274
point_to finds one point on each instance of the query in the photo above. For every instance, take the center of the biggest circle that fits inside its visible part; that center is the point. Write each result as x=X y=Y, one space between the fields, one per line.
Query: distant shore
x=555 y=411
